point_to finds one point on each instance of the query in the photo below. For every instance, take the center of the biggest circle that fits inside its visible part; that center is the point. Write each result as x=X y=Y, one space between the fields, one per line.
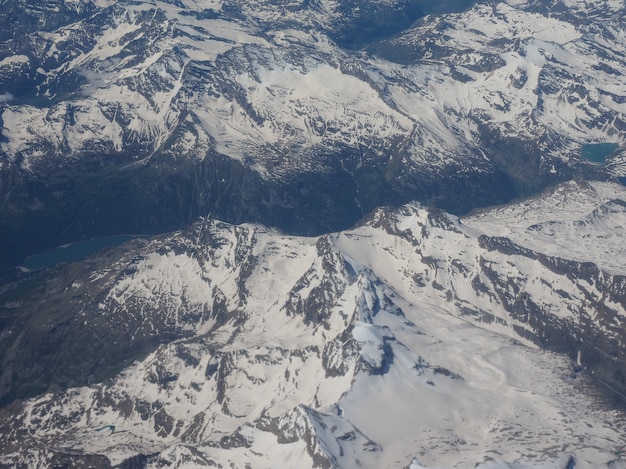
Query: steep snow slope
x=412 y=339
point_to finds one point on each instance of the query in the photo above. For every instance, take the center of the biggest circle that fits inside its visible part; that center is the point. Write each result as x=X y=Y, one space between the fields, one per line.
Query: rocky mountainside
x=416 y=339
x=137 y=117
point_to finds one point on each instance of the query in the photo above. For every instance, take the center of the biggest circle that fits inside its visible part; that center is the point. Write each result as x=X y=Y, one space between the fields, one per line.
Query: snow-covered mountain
x=417 y=339
x=127 y=117
x=268 y=331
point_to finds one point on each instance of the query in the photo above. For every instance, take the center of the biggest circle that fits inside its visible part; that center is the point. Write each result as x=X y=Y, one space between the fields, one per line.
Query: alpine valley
x=379 y=234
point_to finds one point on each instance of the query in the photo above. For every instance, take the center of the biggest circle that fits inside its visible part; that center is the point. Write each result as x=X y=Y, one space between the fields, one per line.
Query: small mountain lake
x=598 y=152
x=73 y=252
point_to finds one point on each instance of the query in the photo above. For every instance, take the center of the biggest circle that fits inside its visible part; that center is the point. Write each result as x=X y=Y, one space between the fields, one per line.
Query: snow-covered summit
x=414 y=337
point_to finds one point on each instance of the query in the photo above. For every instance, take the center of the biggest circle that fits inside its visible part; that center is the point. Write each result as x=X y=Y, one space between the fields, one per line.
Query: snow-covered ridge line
x=413 y=337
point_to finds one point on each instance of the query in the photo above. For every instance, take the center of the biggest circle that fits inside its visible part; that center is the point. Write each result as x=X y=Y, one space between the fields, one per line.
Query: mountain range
x=417 y=336
x=376 y=234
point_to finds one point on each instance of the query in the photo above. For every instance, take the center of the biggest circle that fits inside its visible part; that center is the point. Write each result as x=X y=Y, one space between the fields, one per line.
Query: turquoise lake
x=73 y=252
x=598 y=152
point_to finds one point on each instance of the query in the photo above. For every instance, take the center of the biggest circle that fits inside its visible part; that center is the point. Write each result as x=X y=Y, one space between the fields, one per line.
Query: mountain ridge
x=260 y=330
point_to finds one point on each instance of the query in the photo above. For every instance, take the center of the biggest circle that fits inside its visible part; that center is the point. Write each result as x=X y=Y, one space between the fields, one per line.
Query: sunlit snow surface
x=360 y=348
x=585 y=220
x=351 y=350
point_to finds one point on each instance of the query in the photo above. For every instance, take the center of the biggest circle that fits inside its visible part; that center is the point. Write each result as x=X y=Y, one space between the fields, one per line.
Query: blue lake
x=73 y=252
x=598 y=152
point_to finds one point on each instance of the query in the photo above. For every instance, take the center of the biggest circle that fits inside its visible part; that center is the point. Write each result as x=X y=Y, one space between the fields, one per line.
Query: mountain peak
x=373 y=345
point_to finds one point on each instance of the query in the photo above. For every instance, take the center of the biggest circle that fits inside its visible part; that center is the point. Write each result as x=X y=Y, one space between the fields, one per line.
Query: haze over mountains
x=308 y=295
